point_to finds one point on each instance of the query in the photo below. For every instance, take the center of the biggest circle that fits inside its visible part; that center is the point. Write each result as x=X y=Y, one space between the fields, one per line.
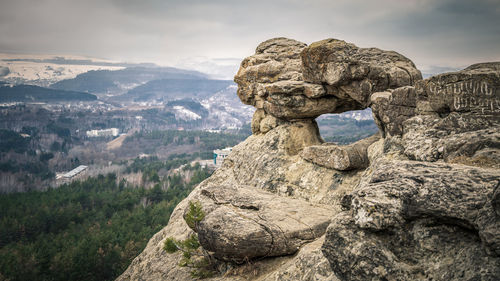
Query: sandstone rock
x=356 y=73
x=244 y=223
x=412 y=220
x=390 y=109
x=308 y=265
x=423 y=250
x=475 y=89
x=257 y=117
x=274 y=60
x=260 y=163
x=460 y=138
x=263 y=161
x=339 y=77
x=347 y=157
x=453 y=116
x=407 y=215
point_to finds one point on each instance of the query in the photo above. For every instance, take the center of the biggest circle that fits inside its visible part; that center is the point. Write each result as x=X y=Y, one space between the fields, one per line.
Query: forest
x=20 y=93
x=90 y=229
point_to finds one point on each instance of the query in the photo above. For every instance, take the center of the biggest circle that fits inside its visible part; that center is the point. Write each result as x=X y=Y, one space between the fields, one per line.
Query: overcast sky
x=193 y=33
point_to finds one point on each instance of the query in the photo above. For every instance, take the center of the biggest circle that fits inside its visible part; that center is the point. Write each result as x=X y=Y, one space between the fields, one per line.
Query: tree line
x=85 y=230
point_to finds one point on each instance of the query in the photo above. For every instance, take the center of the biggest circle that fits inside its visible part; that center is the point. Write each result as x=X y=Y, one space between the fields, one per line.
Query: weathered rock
x=356 y=73
x=308 y=265
x=274 y=60
x=257 y=117
x=263 y=123
x=398 y=219
x=453 y=116
x=260 y=163
x=339 y=77
x=475 y=89
x=423 y=250
x=346 y=157
x=393 y=107
x=244 y=223
x=460 y=138
x=411 y=220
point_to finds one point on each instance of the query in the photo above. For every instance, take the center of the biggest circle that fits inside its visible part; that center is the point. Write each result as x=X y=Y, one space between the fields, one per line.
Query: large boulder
x=340 y=157
x=411 y=220
x=354 y=74
x=290 y=80
x=245 y=223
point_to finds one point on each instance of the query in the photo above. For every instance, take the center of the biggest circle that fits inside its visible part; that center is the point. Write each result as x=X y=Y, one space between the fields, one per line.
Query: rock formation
x=418 y=201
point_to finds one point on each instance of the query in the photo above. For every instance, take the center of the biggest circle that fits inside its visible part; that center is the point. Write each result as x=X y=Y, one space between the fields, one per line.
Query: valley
x=105 y=151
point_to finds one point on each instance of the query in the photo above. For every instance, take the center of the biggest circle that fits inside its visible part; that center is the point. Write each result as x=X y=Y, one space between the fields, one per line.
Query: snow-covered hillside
x=226 y=110
x=43 y=70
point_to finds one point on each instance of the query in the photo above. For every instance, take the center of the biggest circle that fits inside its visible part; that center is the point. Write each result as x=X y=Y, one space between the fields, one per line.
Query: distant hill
x=172 y=89
x=116 y=82
x=191 y=107
x=25 y=93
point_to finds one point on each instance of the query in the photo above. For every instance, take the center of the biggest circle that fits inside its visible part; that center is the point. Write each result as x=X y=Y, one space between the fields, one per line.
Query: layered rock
x=342 y=158
x=353 y=74
x=245 y=223
x=411 y=220
x=290 y=80
x=261 y=191
x=420 y=201
x=427 y=220
x=458 y=117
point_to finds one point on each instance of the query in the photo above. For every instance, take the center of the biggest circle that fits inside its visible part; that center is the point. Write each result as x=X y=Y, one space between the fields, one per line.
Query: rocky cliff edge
x=420 y=200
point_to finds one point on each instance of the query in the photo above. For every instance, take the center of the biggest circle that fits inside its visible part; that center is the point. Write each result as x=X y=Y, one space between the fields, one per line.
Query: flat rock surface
x=244 y=223
x=340 y=157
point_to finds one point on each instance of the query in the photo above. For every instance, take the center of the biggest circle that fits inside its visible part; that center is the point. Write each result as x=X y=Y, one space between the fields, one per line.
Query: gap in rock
x=347 y=127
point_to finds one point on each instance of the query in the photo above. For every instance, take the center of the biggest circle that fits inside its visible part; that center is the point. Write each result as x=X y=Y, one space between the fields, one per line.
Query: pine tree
x=202 y=264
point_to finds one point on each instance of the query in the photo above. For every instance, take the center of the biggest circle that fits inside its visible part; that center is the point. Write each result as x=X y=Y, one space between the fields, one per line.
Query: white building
x=103 y=133
x=220 y=155
x=72 y=173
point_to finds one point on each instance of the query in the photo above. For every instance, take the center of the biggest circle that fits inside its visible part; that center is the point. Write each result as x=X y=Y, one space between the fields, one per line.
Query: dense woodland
x=91 y=229
x=20 y=93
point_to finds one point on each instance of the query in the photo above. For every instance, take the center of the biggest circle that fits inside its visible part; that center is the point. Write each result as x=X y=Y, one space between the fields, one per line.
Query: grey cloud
x=450 y=32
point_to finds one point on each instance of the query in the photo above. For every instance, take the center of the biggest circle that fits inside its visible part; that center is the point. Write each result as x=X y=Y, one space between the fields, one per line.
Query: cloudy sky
x=206 y=33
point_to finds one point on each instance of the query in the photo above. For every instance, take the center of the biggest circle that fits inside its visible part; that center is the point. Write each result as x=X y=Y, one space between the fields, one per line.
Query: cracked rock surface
x=413 y=220
x=244 y=223
x=255 y=206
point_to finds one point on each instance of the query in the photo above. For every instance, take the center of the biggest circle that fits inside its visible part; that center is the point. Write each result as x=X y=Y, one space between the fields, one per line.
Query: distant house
x=220 y=155
x=71 y=174
x=111 y=132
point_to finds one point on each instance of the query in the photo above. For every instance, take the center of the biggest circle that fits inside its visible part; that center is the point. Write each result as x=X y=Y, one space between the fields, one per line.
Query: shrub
x=202 y=264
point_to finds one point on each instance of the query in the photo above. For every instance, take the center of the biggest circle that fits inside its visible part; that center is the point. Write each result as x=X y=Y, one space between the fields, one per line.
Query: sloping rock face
x=418 y=221
x=418 y=201
x=255 y=205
